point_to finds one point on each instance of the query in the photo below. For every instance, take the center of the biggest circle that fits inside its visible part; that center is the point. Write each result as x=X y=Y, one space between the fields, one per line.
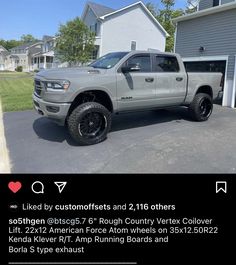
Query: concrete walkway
x=4 y=157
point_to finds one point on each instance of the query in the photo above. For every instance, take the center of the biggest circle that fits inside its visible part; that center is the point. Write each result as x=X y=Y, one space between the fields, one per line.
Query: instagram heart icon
x=14 y=186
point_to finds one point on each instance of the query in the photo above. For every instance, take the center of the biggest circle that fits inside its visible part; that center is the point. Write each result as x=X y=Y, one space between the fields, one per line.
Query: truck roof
x=152 y=51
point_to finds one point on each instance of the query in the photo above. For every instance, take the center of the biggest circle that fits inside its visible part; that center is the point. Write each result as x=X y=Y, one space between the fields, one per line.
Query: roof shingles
x=100 y=10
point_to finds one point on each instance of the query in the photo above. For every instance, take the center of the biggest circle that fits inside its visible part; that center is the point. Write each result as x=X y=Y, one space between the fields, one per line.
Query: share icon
x=61 y=185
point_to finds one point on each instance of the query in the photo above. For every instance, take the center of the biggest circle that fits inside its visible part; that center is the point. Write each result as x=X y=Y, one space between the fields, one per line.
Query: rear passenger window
x=143 y=61
x=166 y=64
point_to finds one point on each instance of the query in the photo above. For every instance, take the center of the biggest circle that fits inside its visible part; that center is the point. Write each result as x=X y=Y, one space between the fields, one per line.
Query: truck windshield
x=109 y=60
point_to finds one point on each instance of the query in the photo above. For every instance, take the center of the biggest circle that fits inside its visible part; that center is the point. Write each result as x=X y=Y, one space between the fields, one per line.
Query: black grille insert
x=37 y=87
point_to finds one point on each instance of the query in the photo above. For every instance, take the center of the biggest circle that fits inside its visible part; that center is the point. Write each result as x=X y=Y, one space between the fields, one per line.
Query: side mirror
x=131 y=68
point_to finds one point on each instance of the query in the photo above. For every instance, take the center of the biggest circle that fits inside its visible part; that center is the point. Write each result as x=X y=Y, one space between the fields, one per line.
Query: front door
x=136 y=89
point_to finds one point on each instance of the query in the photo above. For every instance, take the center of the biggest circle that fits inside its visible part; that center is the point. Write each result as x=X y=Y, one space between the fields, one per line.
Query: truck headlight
x=57 y=85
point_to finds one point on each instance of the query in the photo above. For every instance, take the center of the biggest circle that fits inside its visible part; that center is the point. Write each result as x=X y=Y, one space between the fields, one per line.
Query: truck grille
x=37 y=87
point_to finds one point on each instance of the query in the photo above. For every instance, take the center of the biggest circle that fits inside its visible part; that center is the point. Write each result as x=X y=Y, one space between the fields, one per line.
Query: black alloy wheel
x=201 y=107
x=89 y=123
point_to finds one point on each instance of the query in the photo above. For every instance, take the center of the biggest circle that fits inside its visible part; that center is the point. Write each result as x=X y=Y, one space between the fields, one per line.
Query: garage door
x=206 y=66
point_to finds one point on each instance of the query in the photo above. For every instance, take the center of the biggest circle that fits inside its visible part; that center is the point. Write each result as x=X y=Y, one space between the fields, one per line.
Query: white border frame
x=233 y=101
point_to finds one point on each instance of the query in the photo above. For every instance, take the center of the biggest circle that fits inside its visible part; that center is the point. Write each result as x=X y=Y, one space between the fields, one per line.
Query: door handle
x=179 y=79
x=149 y=79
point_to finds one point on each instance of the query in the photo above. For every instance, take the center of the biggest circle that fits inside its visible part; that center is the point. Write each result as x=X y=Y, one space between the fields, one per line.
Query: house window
x=94 y=28
x=216 y=2
x=143 y=61
x=166 y=64
x=95 y=53
x=133 y=45
x=49 y=59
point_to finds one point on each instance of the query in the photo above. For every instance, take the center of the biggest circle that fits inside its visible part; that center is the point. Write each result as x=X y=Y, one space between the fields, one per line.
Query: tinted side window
x=144 y=62
x=166 y=64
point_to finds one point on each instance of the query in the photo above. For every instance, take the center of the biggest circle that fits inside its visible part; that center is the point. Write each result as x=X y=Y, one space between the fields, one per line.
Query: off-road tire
x=201 y=107
x=83 y=120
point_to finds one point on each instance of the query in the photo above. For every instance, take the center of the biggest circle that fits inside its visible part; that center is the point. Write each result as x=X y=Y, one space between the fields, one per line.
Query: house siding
x=226 y=1
x=204 y=4
x=216 y=32
x=90 y=20
x=131 y=25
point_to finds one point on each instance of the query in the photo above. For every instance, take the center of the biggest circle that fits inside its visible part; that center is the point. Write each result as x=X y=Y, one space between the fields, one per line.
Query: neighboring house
x=34 y=56
x=206 y=40
x=3 y=58
x=45 y=57
x=130 y=28
x=7 y=62
x=22 y=55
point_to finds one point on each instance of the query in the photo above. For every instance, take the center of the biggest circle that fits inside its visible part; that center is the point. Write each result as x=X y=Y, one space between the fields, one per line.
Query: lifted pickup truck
x=84 y=98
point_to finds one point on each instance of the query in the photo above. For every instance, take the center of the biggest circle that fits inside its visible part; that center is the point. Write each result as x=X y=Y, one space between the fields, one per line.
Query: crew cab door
x=136 y=88
x=171 y=80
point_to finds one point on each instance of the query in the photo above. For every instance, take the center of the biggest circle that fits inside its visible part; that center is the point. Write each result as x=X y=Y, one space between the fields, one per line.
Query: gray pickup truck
x=84 y=98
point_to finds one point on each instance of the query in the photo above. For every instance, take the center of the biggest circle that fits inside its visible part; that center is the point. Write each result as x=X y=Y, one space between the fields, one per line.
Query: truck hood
x=67 y=73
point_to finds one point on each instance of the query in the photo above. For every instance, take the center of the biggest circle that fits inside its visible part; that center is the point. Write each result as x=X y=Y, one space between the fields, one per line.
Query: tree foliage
x=27 y=38
x=9 y=44
x=164 y=15
x=191 y=6
x=75 y=42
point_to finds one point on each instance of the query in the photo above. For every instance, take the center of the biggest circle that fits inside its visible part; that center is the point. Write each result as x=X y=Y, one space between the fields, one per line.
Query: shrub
x=19 y=69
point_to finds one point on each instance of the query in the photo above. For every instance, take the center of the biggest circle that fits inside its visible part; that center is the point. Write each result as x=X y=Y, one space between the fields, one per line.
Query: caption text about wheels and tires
x=91 y=226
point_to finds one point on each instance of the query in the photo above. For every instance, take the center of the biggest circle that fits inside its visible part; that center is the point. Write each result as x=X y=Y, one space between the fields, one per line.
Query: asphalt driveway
x=161 y=141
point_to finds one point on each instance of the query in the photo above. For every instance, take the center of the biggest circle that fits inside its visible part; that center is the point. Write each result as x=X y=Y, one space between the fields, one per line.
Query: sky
x=43 y=17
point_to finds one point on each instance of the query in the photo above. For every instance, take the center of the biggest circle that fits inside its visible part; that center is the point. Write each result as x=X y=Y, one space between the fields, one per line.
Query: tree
x=152 y=8
x=191 y=6
x=9 y=44
x=164 y=17
x=27 y=38
x=75 y=42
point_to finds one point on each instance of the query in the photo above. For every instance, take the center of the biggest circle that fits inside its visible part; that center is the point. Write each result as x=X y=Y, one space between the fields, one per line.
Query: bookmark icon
x=60 y=185
x=221 y=186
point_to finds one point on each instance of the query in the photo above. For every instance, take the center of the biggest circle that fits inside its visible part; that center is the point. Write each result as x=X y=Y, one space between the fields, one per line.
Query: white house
x=3 y=58
x=21 y=55
x=130 y=28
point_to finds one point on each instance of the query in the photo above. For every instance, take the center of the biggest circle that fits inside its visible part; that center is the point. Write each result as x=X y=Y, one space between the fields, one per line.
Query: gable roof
x=141 y=4
x=25 y=45
x=46 y=38
x=98 y=10
x=4 y=53
x=2 y=48
x=103 y=12
x=208 y=11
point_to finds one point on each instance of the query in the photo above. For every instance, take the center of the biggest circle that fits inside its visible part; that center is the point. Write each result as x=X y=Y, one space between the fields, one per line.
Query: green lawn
x=16 y=91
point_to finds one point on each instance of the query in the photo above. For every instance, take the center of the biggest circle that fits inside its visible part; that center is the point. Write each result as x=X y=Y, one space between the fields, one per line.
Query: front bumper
x=54 y=111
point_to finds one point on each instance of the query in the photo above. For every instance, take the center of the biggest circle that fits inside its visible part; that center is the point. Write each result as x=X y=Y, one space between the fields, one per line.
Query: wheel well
x=206 y=90
x=92 y=96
